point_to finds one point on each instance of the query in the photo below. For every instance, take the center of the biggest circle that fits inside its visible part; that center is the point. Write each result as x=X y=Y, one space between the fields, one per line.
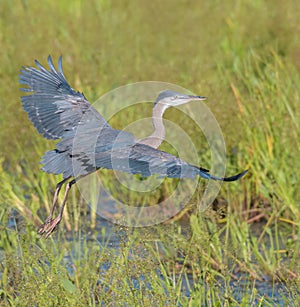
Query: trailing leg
x=48 y=220
x=51 y=225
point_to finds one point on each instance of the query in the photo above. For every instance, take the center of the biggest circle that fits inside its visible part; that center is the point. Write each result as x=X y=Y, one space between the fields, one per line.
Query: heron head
x=171 y=98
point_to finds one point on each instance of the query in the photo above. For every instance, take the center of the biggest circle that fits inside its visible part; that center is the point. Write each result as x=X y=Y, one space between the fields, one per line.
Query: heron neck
x=155 y=139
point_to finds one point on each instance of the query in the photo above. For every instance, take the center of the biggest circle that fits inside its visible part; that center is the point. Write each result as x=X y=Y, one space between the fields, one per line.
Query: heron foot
x=49 y=226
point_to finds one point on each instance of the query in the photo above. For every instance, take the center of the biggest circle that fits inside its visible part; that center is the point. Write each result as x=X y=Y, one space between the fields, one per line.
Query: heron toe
x=49 y=226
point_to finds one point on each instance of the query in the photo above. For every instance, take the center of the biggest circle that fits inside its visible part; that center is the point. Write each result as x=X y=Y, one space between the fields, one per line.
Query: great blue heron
x=59 y=112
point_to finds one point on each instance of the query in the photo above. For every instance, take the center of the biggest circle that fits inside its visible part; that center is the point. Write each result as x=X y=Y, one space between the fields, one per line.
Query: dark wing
x=53 y=106
x=146 y=161
x=120 y=153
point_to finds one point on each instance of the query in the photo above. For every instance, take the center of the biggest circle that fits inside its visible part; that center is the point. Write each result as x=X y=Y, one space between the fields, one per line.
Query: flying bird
x=58 y=112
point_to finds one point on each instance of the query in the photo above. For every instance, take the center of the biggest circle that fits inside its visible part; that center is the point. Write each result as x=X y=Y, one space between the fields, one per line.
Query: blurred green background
x=243 y=55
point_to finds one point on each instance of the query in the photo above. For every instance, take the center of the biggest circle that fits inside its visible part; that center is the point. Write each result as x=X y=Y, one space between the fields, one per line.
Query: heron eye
x=174 y=97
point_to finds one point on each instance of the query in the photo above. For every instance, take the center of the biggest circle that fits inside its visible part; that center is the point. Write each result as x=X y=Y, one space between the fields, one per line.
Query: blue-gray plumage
x=59 y=112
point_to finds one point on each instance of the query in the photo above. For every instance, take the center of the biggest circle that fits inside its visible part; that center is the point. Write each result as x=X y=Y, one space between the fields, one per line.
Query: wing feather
x=53 y=106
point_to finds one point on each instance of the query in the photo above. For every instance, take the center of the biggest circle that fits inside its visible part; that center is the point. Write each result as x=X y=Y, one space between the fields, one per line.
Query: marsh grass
x=244 y=250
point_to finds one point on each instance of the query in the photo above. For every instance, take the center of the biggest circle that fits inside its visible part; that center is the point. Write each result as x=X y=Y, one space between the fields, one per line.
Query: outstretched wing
x=53 y=106
x=146 y=161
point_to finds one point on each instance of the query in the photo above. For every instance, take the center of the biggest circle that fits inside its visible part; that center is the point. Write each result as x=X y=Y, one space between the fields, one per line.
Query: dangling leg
x=50 y=227
x=54 y=202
